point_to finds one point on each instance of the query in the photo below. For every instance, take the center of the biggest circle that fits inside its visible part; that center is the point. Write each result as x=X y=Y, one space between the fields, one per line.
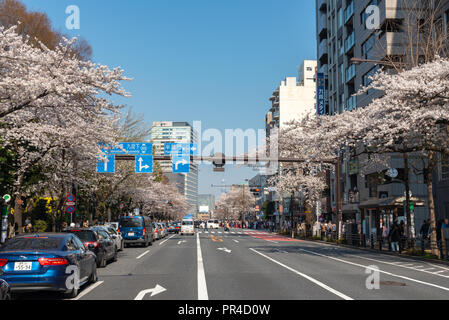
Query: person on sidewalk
x=425 y=230
x=395 y=237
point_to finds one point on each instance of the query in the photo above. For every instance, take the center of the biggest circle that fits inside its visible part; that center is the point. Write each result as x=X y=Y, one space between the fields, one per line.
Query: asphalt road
x=254 y=265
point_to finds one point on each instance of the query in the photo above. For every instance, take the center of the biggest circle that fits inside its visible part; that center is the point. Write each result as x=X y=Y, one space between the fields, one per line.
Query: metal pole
x=339 y=204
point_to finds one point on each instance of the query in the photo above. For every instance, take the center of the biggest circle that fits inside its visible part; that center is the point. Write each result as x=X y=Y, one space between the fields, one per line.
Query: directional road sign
x=180 y=149
x=181 y=163
x=108 y=166
x=144 y=164
x=128 y=148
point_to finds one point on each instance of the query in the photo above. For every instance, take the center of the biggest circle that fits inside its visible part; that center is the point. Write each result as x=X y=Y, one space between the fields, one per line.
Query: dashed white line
x=319 y=283
x=143 y=254
x=166 y=240
x=236 y=241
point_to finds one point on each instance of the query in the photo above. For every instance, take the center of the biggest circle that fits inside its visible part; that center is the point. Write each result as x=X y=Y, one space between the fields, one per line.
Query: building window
x=445 y=167
x=368 y=46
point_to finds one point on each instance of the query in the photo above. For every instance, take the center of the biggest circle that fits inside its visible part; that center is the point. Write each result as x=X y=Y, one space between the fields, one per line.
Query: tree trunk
x=433 y=223
x=17 y=206
x=407 y=197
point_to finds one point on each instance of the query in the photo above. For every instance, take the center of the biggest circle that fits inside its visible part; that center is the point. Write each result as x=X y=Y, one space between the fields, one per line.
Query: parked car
x=187 y=227
x=172 y=227
x=116 y=236
x=5 y=290
x=136 y=230
x=97 y=240
x=162 y=230
x=40 y=262
x=156 y=232
x=112 y=224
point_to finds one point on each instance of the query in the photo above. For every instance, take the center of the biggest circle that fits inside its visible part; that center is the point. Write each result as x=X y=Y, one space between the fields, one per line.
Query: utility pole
x=339 y=204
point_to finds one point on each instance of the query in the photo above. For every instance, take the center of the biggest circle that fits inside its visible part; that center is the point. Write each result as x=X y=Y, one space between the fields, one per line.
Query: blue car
x=136 y=230
x=47 y=262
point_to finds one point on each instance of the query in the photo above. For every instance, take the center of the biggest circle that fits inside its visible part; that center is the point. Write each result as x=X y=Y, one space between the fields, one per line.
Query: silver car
x=116 y=236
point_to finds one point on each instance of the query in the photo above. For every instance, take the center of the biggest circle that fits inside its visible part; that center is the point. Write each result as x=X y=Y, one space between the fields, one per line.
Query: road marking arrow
x=183 y=241
x=156 y=290
x=225 y=250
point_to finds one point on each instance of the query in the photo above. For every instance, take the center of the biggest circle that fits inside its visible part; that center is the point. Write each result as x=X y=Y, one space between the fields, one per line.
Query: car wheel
x=94 y=276
x=71 y=294
x=103 y=262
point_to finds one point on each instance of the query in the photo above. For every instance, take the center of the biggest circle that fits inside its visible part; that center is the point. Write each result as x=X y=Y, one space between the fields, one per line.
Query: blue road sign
x=181 y=163
x=144 y=164
x=70 y=209
x=128 y=148
x=106 y=166
x=180 y=149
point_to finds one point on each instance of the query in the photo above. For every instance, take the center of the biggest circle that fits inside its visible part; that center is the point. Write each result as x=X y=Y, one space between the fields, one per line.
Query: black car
x=5 y=290
x=97 y=240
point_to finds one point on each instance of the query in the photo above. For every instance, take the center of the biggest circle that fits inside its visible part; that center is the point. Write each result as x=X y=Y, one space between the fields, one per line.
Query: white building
x=293 y=98
x=177 y=132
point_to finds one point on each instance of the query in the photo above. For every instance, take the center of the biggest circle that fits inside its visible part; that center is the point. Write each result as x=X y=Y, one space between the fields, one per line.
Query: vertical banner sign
x=320 y=83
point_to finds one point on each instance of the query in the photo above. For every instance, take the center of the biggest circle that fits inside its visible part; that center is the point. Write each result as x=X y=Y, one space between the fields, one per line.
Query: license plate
x=131 y=234
x=22 y=266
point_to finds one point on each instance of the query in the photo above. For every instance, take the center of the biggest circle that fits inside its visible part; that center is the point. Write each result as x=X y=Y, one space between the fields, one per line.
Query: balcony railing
x=351 y=103
x=349 y=42
x=349 y=12
x=350 y=73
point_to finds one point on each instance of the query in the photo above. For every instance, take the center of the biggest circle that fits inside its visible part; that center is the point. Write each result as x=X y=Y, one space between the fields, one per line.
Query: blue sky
x=211 y=60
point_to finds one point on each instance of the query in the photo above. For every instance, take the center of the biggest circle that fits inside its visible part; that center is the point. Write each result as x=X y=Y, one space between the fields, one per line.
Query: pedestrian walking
x=425 y=230
x=395 y=237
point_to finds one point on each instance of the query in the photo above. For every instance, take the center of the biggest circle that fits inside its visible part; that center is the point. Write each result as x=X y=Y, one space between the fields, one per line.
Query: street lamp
x=381 y=62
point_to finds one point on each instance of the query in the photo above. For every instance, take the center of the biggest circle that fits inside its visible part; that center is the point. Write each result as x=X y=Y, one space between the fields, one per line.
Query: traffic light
x=219 y=162
x=255 y=192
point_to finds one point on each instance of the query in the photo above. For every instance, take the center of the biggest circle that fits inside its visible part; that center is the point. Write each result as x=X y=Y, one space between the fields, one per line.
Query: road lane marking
x=143 y=254
x=319 y=283
x=156 y=290
x=202 y=287
x=89 y=289
x=381 y=271
x=166 y=240
x=406 y=266
x=236 y=241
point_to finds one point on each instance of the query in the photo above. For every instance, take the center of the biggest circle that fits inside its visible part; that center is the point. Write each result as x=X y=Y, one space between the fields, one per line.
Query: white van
x=213 y=224
x=187 y=227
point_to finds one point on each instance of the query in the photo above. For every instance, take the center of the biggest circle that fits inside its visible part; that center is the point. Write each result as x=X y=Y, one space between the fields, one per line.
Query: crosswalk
x=251 y=233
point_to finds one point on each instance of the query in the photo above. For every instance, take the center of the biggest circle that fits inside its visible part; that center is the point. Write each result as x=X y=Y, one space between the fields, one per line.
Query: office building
x=177 y=132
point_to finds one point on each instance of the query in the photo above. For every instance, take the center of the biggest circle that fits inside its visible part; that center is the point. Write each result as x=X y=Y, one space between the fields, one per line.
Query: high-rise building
x=206 y=203
x=350 y=44
x=293 y=98
x=177 y=132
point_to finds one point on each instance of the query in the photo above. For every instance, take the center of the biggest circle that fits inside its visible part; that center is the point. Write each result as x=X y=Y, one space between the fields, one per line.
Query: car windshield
x=187 y=223
x=131 y=223
x=33 y=244
x=84 y=235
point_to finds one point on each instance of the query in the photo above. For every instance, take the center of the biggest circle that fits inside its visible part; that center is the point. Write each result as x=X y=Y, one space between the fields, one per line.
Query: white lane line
x=166 y=240
x=322 y=285
x=143 y=254
x=406 y=266
x=268 y=240
x=202 y=287
x=236 y=241
x=89 y=289
x=438 y=272
x=381 y=271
